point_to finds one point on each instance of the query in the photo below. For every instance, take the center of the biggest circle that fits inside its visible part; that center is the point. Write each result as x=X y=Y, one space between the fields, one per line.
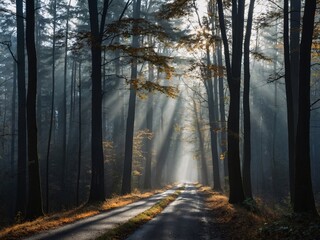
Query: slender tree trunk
x=203 y=162
x=127 y=168
x=22 y=135
x=246 y=170
x=34 y=203
x=63 y=108
x=52 y=103
x=80 y=138
x=13 y=119
x=303 y=200
x=222 y=115
x=149 y=142
x=212 y=123
x=289 y=96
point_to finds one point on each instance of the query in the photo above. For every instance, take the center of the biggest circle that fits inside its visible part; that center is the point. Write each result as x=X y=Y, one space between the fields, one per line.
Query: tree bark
x=236 y=194
x=22 y=135
x=34 y=203
x=97 y=171
x=303 y=201
x=127 y=167
x=246 y=170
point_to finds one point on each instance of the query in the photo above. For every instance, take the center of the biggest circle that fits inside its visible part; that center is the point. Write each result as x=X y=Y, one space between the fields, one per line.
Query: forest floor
x=223 y=221
x=257 y=220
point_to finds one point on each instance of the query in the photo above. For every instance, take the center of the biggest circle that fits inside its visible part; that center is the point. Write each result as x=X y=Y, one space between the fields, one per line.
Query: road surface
x=93 y=227
x=184 y=219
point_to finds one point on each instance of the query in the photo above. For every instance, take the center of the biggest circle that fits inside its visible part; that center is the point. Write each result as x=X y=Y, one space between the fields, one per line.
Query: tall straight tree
x=52 y=100
x=303 y=200
x=22 y=136
x=34 y=203
x=289 y=96
x=246 y=107
x=97 y=175
x=233 y=76
x=127 y=167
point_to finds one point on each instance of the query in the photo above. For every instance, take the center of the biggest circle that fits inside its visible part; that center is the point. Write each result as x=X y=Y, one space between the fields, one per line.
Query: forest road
x=184 y=219
x=93 y=227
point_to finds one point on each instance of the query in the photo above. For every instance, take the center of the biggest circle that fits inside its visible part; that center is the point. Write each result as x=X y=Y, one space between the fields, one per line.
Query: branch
x=8 y=44
x=314 y=103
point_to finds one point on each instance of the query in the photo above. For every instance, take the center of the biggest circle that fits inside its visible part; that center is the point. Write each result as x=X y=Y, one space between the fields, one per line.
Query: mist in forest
x=160 y=105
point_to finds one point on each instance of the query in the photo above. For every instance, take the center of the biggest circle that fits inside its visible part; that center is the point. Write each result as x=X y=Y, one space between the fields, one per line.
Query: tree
x=22 y=136
x=303 y=199
x=34 y=203
x=127 y=168
x=233 y=76
x=246 y=107
x=97 y=171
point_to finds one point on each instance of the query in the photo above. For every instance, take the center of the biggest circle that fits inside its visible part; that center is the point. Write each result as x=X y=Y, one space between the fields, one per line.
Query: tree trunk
x=236 y=194
x=79 y=139
x=52 y=103
x=203 y=162
x=246 y=170
x=127 y=168
x=303 y=200
x=149 y=142
x=289 y=96
x=22 y=135
x=97 y=177
x=222 y=115
x=34 y=203
x=212 y=124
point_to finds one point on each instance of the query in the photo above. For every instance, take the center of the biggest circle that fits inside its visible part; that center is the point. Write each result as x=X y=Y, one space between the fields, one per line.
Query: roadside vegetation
x=257 y=220
x=54 y=220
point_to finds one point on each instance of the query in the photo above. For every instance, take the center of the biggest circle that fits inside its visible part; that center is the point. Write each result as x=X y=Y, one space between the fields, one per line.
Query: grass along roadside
x=257 y=221
x=125 y=229
x=55 y=220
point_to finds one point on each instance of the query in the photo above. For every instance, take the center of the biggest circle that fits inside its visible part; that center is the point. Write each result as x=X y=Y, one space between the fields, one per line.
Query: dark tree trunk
x=22 y=135
x=303 y=200
x=234 y=76
x=127 y=167
x=97 y=178
x=79 y=139
x=34 y=203
x=289 y=96
x=52 y=104
x=246 y=170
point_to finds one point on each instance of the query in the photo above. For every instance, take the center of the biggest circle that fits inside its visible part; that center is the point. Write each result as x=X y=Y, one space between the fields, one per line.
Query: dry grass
x=55 y=220
x=236 y=222
x=256 y=220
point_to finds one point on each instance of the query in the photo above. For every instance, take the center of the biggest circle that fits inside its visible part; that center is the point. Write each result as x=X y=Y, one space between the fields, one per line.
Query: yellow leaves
x=145 y=87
